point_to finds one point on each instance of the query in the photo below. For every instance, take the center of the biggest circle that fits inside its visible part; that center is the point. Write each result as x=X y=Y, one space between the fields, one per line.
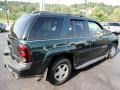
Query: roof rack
x=40 y=12
x=76 y=15
x=48 y=12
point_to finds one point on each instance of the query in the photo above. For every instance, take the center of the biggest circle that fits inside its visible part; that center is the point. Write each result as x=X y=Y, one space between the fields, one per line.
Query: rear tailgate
x=13 y=47
x=16 y=34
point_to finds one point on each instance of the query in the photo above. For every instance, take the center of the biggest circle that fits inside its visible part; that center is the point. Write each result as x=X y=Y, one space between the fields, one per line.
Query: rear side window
x=77 y=28
x=20 y=25
x=46 y=28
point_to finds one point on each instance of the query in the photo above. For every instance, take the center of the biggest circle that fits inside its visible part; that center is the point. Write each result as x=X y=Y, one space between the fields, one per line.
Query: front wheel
x=112 y=51
x=59 y=71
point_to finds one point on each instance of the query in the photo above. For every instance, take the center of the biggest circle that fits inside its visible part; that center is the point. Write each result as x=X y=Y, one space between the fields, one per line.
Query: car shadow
x=118 y=50
x=76 y=72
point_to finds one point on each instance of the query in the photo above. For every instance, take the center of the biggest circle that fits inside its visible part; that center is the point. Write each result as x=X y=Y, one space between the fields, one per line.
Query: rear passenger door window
x=77 y=29
x=46 y=28
x=77 y=35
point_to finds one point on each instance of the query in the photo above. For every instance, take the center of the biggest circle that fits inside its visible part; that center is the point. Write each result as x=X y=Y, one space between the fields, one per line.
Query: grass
x=2 y=20
x=5 y=21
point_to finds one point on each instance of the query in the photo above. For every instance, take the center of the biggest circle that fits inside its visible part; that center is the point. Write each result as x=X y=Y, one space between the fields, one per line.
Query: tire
x=59 y=71
x=0 y=30
x=112 y=51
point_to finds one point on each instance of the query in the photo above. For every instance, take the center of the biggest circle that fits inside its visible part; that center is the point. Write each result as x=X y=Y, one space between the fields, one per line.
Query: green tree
x=116 y=14
x=99 y=14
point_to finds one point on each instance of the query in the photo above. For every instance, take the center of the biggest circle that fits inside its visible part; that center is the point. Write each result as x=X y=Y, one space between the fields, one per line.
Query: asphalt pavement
x=104 y=75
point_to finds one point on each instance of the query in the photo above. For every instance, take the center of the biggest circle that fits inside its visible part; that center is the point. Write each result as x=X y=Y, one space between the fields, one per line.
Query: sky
x=70 y=2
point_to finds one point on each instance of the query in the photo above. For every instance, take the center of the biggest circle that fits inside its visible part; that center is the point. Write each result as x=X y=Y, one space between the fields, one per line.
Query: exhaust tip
x=15 y=75
x=6 y=53
x=5 y=66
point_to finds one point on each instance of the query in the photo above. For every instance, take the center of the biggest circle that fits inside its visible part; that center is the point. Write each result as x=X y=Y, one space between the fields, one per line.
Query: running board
x=90 y=62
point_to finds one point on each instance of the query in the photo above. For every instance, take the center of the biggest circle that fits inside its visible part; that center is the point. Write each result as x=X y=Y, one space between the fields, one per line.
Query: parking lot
x=104 y=75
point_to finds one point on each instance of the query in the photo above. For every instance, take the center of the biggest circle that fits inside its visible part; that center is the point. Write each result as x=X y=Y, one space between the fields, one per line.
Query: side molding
x=90 y=62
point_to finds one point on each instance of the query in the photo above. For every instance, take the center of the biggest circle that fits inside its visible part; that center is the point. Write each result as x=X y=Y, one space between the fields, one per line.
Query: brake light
x=25 y=53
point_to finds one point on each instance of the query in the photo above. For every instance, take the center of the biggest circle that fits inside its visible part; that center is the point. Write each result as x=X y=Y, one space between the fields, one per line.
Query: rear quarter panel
x=44 y=50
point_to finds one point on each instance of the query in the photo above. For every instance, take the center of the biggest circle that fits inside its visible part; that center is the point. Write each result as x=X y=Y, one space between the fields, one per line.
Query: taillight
x=25 y=53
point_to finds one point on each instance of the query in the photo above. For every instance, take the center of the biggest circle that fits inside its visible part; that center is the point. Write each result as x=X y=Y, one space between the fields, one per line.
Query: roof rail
x=76 y=15
x=82 y=16
x=40 y=12
x=48 y=12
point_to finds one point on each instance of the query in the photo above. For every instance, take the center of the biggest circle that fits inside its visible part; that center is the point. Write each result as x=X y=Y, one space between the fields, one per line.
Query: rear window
x=46 y=28
x=20 y=25
x=1 y=24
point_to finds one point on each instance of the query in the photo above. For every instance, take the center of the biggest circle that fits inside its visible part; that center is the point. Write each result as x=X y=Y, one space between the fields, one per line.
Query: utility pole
x=85 y=7
x=42 y=5
x=6 y=12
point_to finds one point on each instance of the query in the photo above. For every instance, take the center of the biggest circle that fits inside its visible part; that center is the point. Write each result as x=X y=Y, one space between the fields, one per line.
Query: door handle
x=93 y=40
x=71 y=44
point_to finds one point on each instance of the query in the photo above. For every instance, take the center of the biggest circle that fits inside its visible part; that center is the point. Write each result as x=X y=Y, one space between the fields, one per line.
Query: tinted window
x=19 y=26
x=1 y=25
x=77 y=28
x=71 y=30
x=46 y=28
x=95 y=29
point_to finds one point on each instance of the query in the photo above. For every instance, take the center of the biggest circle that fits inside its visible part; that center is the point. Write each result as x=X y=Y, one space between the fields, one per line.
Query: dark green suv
x=56 y=44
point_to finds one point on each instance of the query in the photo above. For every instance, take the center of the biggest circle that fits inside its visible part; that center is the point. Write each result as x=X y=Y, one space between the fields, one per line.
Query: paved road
x=104 y=75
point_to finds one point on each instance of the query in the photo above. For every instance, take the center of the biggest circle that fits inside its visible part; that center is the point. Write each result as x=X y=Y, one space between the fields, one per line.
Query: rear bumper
x=24 y=70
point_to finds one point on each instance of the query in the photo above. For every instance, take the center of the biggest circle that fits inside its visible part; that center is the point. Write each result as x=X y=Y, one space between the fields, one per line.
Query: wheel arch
x=116 y=42
x=69 y=56
x=112 y=42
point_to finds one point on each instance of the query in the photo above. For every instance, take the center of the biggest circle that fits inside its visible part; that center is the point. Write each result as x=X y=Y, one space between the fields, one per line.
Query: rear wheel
x=59 y=71
x=112 y=50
